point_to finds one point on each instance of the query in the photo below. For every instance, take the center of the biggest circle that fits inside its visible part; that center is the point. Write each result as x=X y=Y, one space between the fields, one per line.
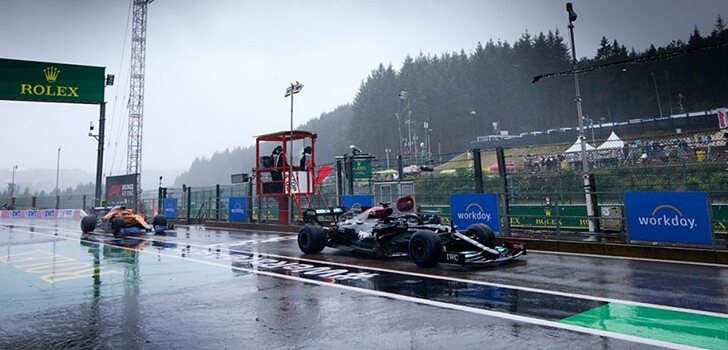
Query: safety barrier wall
x=75 y=214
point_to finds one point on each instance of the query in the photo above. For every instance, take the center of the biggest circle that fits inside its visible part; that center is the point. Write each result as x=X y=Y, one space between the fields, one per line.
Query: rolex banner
x=50 y=82
x=122 y=190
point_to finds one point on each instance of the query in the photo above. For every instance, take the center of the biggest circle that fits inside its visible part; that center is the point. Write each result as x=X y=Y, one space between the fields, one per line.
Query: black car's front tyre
x=311 y=239
x=88 y=224
x=425 y=248
x=159 y=220
x=117 y=225
x=159 y=223
x=482 y=233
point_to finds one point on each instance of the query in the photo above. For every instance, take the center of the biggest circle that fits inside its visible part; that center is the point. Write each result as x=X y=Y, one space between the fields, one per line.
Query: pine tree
x=718 y=28
x=695 y=38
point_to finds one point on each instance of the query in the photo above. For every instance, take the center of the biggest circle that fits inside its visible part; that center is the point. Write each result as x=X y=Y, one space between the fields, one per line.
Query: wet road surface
x=211 y=288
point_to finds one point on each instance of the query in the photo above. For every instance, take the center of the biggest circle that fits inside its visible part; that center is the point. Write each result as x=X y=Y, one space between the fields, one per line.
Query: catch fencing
x=541 y=188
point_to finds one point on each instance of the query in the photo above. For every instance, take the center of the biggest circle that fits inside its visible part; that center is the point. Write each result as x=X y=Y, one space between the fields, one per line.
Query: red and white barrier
x=75 y=214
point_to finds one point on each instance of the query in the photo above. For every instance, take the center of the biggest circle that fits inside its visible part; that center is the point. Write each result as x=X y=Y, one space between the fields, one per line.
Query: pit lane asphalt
x=206 y=306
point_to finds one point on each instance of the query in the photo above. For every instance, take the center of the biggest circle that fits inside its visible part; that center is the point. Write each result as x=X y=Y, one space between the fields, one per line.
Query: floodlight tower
x=136 y=90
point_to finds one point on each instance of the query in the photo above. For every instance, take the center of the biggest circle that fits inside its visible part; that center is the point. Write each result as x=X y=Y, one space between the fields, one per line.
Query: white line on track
x=247 y=242
x=630 y=258
x=497 y=314
x=491 y=284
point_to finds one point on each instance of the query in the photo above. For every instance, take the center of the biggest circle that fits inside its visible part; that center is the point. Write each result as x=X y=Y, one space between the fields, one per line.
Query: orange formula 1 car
x=121 y=221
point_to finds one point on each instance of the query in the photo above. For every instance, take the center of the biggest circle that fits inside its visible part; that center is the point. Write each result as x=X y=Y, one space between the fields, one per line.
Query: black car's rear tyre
x=159 y=220
x=117 y=224
x=425 y=248
x=88 y=223
x=482 y=233
x=312 y=239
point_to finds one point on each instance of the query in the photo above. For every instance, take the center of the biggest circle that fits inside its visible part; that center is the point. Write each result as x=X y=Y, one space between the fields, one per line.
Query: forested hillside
x=460 y=95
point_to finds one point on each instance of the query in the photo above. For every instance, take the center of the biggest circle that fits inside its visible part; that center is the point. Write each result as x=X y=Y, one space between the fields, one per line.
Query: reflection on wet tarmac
x=150 y=265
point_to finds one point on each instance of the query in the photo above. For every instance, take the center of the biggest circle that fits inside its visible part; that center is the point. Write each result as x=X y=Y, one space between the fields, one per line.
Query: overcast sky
x=216 y=71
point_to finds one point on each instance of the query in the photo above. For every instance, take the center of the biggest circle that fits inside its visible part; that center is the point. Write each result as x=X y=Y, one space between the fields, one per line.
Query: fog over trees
x=461 y=94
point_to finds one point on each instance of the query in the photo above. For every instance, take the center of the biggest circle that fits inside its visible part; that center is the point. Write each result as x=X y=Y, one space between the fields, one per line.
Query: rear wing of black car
x=312 y=215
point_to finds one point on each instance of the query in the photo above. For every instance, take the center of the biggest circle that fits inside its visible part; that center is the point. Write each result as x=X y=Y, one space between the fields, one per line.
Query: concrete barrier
x=713 y=256
x=73 y=214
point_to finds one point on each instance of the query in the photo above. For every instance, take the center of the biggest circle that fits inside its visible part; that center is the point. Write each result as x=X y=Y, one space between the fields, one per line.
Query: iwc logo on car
x=51 y=74
x=667 y=216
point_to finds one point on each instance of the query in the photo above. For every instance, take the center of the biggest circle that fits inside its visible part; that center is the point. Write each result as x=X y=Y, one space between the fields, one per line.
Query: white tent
x=411 y=169
x=576 y=147
x=613 y=142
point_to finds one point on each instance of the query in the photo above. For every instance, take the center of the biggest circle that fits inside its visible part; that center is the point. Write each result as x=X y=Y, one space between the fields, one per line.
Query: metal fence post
x=339 y=182
x=503 y=177
x=400 y=168
x=558 y=216
x=478 y=168
x=260 y=209
x=189 y=204
x=250 y=200
x=33 y=202
x=217 y=202
x=711 y=215
x=349 y=163
x=58 y=202
x=594 y=205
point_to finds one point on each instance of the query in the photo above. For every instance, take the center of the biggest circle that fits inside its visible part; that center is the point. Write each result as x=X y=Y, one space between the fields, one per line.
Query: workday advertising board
x=680 y=217
x=238 y=209
x=471 y=208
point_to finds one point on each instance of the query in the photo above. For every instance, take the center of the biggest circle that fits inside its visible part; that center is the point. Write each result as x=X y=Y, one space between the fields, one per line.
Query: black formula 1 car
x=380 y=232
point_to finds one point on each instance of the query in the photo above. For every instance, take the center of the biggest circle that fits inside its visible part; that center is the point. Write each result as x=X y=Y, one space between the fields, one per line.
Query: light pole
x=58 y=168
x=12 y=185
x=591 y=126
x=580 y=117
x=399 y=129
x=474 y=114
x=669 y=93
x=415 y=138
x=387 y=151
x=680 y=105
x=426 y=146
x=402 y=96
x=409 y=135
x=657 y=93
x=290 y=91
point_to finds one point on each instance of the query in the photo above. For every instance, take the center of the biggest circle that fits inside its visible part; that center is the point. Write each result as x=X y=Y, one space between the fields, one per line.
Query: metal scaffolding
x=136 y=91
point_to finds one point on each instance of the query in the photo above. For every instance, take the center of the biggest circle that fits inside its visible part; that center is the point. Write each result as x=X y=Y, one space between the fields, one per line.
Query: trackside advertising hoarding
x=75 y=214
x=170 y=208
x=50 y=82
x=238 y=209
x=680 y=217
x=471 y=208
x=122 y=190
x=351 y=200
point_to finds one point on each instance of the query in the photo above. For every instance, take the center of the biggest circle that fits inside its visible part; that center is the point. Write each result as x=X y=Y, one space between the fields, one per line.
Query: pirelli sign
x=50 y=82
